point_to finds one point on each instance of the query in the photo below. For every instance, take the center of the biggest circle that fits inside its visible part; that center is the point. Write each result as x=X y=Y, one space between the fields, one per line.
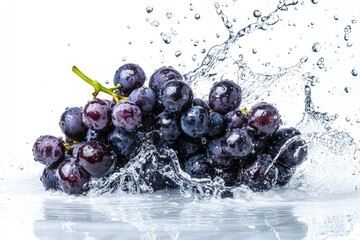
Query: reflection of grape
x=263 y=119
x=225 y=96
x=48 y=150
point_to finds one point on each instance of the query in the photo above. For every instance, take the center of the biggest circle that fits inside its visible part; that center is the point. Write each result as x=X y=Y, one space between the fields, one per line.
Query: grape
x=96 y=158
x=284 y=174
x=100 y=136
x=48 y=150
x=124 y=143
x=148 y=122
x=217 y=125
x=126 y=116
x=263 y=119
x=198 y=166
x=187 y=147
x=96 y=114
x=238 y=143
x=295 y=151
x=49 y=178
x=130 y=76
x=71 y=124
x=195 y=122
x=235 y=119
x=200 y=102
x=217 y=156
x=72 y=179
x=224 y=96
x=230 y=176
x=161 y=76
x=261 y=175
x=175 y=96
x=145 y=98
x=168 y=126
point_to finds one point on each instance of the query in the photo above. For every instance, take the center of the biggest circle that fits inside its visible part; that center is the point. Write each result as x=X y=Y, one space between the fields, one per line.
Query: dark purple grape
x=200 y=102
x=126 y=116
x=49 y=179
x=124 y=143
x=130 y=76
x=163 y=75
x=187 y=147
x=230 y=176
x=235 y=119
x=261 y=175
x=96 y=158
x=145 y=98
x=199 y=166
x=71 y=124
x=218 y=157
x=295 y=151
x=168 y=126
x=72 y=178
x=195 y=122
x=284 y=174
x=238 y=143
x=263 y=119
x=225 y=96
x=96 y=114
x=101 y=136
x=217 y=125
x=148 y=122
x=175 y=96
x=48 y=150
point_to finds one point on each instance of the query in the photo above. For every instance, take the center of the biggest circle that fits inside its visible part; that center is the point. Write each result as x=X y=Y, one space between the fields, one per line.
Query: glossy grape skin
x=200 y=102
x=198 y=166
x=162 y=75
x=195 y=122
x=96 y=114
x=145 y=98
x=217 y=125
x=295 y=152
x=263 y=119
x=168 y=126
x=284 y=174
x=72 y=178
x=235 y=119
x=100 y=136
x=49 y=179
x=238 y=143
x=225 y=96
x=175 y=96
x=71 y=124
x=187 y=147
x=126 y=116
x=218 y=157
x=124 y=143
x=130 y=76
x=96 y=158
x=261 y=175
x=48 y=150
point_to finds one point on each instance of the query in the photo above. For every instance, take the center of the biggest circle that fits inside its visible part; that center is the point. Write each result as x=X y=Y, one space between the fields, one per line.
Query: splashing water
x=330 y=151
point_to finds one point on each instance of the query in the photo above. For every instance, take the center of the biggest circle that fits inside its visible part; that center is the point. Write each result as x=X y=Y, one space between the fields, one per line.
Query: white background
x=41 y=40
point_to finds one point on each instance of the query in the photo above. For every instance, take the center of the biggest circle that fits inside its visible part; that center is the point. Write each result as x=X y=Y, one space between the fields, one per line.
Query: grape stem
x=98 y=87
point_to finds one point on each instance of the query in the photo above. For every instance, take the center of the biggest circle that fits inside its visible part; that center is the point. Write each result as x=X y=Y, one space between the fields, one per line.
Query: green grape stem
x=98 y=87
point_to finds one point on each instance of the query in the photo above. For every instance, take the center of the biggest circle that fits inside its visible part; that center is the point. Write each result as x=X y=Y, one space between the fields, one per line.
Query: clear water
x=322 y=199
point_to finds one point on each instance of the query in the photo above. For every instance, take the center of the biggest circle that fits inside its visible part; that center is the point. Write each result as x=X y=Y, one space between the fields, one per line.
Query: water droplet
x=234 y=19
x=197 y=16
x=124 y=59
x=178 y=53
x=107 y=82
x=169 y=15
x=194 y=57
x=128 y=26
x=347 y=89
x=354 y=72
x=320 y=63
x=257 y=13
x=196 y=43
x=349 y=44
x=353 y=21
x=316 y=47
x=173 y=31
x=130 y=42
x=166 y=38
x=149 y=9
x=191 y=7
x=217 y=35
x=254 y=50
x=304 y=59
x=151 y=41
x=21 y=167
x=203 y=50
x=336 y=17
x=314 y=1
x=347 y=119
x=155 y=23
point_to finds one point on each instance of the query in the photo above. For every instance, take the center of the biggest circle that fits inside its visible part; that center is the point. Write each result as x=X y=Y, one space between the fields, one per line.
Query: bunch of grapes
x=211 y=137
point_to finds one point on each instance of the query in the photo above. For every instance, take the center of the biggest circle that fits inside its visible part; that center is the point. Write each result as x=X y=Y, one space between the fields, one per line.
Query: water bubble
x=314 y=1
x=128 y=26
x=316 y=47
x=336 y=17
x=347 y=31
x=151 y=41
x=257 y=13
x=347 y=89
x=197 y=16
x=178 y=53
x=130 y=42
x=149 y=9
x=155 y=23
x=166 y=38
x=169 y=15
x=254 y=50
x=354 y=72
